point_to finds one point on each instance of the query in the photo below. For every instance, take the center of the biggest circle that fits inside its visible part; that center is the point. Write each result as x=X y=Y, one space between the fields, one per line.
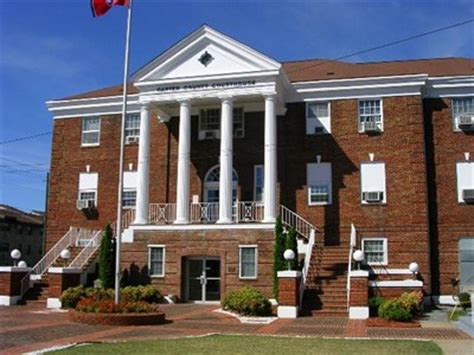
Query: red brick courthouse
x=221 y=139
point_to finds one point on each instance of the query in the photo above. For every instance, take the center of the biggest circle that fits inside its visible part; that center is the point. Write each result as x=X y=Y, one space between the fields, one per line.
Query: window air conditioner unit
x=468 y=195
x=371 y=127
x=210 y=135
x=84 y=204
x=373 y=196
x=318 y=130
x=466 y=121
x=131 y=139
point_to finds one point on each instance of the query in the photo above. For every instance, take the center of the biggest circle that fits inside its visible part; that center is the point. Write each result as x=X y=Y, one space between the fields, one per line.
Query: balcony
x=204 y=213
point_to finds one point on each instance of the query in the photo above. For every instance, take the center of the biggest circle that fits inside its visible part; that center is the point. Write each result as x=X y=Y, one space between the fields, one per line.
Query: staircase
x=325 y=290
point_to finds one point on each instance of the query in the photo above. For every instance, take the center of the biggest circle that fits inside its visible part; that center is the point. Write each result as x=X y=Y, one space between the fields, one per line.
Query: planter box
x=120 y=319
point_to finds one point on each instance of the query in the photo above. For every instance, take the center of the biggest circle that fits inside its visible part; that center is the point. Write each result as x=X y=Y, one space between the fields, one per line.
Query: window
x=465 y=181
x=88 y=183
x=375 y=250
x=210 y=123
x=318 y=118
x=129 y=198
x=319 y=181
x=156 y=260
x=373 y=188
x=88 y=196
x=370 y=116
x=258 y=183
x=238 y=122
x=318 y=194
x=132 y=128
x=90 y=131
x=462 y=106
x=248 y=262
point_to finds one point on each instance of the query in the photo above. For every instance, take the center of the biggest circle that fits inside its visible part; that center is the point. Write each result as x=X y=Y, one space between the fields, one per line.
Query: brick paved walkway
x=28 y=328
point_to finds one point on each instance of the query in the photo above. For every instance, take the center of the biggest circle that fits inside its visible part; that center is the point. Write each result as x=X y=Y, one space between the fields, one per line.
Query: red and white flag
x=100 y=7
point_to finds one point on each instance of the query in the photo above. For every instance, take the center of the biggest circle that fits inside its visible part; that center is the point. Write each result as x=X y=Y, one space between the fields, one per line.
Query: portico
x=224 y=71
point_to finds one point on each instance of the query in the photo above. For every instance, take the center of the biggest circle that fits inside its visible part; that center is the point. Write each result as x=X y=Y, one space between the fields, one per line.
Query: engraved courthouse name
x=217 y=85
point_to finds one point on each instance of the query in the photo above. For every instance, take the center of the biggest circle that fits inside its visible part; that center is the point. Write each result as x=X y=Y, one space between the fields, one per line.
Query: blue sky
x=54 y=48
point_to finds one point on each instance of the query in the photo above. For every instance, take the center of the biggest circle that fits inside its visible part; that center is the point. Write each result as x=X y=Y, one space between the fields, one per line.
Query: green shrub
x=107 y=259
x=374 y=304
x=148 y=293
x=412 y=301
x=465 y=300
x=395 y=310
x=70 y=297
x=247 y=301
x=278 y=250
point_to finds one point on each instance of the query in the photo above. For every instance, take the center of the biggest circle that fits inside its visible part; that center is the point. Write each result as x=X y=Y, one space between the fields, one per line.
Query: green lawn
x=230 y=344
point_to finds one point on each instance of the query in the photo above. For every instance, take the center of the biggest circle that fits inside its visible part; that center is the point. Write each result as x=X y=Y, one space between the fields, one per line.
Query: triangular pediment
x=205 y=53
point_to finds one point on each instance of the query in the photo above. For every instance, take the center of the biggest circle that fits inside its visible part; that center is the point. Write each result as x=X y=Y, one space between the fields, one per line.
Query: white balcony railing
x=206 y=212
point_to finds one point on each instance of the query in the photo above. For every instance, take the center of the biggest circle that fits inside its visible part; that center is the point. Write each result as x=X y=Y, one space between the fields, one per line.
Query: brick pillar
x=60 y=279
x=10 y=284
x=359 y=295
x=288 y=293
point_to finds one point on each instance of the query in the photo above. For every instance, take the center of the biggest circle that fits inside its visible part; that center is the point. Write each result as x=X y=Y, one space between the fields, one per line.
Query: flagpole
x=118 y=228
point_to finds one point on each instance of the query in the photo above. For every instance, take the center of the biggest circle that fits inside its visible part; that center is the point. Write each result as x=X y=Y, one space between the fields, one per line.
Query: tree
x=292 y=243
x=107 y=259
x=278 y=250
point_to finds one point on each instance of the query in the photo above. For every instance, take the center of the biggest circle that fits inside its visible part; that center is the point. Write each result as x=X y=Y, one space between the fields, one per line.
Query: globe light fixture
x=22 y=263
x=413 y=267
x=15 y=255
x=358 y=257
x=65 y=255
x=289 y=256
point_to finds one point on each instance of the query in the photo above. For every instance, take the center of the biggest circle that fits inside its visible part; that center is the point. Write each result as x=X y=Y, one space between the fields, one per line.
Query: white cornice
x=449 y=86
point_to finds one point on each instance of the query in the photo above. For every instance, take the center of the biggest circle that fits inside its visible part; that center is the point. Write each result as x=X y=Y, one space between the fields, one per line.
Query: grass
x=235 y=344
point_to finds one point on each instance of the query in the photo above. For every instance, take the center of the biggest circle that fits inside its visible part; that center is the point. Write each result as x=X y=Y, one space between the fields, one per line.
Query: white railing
x=89 y=249
x=247 y=211
x=301 y=225
x=352 y=244
x=162 y=213
x=71 y=237
x=127 y=219
x=307 y=263
x=204 y=212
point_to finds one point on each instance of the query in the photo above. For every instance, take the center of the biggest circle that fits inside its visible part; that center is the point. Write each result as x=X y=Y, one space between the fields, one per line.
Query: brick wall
x=223 y=244
x=449 y=220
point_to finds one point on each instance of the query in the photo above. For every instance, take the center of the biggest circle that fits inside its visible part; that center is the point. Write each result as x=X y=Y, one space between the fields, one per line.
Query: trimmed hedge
x=247 y=301
x=148 y=294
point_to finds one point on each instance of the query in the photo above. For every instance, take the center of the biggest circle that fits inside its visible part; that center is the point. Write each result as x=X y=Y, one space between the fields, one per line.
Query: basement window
x=90 y=131
x=156 y=260
x=248 y=261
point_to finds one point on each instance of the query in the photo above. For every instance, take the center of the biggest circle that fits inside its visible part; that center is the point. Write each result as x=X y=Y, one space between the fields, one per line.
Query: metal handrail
x=301 y=225
x=70 y=238
x=89 y=249
x=352 y=244
x=307 y=263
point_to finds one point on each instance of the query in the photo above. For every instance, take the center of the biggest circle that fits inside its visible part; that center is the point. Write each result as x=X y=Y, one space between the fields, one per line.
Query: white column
x=141 y=215
x=225 y=181
x=270 y=167
x=184 y=156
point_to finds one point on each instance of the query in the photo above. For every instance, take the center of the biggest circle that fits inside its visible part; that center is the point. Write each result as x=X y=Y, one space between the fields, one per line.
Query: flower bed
x=120 y=319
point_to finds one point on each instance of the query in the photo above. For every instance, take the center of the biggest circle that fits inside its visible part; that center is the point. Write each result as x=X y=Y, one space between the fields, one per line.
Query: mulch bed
x=384 y=323
x=120 y=319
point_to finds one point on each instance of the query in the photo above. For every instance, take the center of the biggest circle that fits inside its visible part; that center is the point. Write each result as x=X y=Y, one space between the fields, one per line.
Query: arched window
x=211 y=184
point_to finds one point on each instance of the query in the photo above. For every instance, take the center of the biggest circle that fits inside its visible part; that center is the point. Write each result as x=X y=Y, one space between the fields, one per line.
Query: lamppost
x=289 y=256
x=22 y=263
x=15 y=255
x=358 y=256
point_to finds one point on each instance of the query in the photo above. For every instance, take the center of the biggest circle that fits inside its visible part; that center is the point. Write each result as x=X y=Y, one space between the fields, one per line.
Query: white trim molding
x=398 y=283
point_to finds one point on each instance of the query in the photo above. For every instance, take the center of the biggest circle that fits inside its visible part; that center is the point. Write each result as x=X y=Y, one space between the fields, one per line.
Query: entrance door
x=466 y=264
x=203 y=279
